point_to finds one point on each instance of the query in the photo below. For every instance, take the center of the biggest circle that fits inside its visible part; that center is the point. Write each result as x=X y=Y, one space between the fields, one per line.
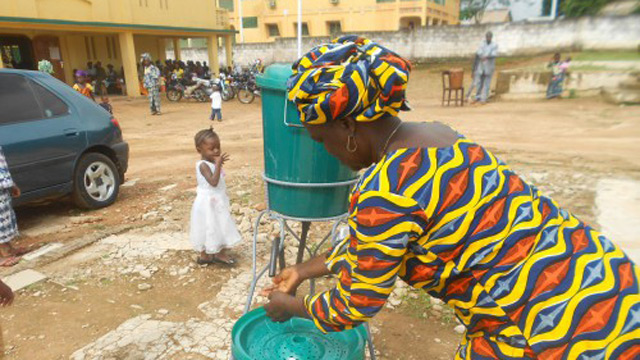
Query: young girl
x=82 y=85
x=212 y=227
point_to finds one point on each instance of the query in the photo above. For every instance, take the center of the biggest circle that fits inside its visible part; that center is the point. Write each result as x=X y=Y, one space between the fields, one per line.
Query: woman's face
x=335 y=136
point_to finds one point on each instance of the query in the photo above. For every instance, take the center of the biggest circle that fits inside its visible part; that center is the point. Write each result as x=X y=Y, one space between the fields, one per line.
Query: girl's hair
x=202 y=135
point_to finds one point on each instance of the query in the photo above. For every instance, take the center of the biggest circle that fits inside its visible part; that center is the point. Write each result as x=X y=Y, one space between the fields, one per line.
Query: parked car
x=58 y=142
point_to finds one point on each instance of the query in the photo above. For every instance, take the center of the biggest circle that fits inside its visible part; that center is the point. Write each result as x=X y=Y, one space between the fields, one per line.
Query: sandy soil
x=562 y=146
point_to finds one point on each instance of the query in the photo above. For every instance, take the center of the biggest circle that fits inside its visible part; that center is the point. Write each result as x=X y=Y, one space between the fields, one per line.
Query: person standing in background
x=487 y=53
x=101 y=76
x=151 y=82
x=82 y=85
x=473 y=85
x=91 y=71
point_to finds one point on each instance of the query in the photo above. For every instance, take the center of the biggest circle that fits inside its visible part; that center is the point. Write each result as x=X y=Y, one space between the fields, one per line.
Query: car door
x=39 y=134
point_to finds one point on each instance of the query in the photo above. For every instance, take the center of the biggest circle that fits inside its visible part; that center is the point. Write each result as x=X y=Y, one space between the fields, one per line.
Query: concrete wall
x=527 y=84
x=589 y=33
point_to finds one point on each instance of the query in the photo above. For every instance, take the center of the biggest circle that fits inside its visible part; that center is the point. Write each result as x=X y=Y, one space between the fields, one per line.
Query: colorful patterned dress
x=8 y=223
x=528 y=279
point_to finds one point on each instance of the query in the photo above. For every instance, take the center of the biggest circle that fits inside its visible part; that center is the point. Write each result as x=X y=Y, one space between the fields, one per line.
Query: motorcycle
x=176 y=90
x=226 y=91
x=247 y=88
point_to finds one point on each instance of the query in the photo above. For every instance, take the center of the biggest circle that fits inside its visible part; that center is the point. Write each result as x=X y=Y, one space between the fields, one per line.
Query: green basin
x=256 y=337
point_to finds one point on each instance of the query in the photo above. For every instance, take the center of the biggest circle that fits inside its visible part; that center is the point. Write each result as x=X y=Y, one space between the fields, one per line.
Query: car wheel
x=96 y=182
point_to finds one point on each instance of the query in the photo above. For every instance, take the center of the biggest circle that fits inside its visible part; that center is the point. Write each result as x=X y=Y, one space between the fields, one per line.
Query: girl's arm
x=213 y=178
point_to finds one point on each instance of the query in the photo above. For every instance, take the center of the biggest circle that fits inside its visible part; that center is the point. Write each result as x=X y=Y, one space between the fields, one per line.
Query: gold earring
x=354 y=147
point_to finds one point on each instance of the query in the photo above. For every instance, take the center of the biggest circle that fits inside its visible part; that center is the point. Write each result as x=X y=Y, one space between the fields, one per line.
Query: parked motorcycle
x=247 y=88
x=176 y=90
x=226 y=90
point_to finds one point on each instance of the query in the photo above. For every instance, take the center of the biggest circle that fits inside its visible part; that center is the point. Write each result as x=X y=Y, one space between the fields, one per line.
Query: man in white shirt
x=486 y=53
x=216 y=104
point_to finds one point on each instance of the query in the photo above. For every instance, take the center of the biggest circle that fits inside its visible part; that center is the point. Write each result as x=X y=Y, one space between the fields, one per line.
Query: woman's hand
x=15 y=191
x=286 y=282
x=282 y=307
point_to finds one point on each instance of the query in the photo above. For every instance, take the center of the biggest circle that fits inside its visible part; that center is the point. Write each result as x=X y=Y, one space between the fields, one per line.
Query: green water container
x=303 y=180
x=255 y=337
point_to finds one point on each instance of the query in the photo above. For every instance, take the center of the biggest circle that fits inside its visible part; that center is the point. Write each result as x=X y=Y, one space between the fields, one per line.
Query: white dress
x=212 y=226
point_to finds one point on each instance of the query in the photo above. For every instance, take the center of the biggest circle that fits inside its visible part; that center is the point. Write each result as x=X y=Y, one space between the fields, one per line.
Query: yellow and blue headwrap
x=352 y=76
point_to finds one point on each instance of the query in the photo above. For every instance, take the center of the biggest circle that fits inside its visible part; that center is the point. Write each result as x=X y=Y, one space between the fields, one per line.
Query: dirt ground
x=564 y=147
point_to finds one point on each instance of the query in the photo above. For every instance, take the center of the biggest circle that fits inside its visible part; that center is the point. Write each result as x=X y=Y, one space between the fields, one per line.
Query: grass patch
x=606 y=56
x=419 y=307
x=416 y=306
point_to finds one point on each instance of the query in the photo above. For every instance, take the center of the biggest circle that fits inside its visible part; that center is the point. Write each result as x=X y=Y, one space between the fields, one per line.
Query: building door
x=48 y=47
x=17 y=52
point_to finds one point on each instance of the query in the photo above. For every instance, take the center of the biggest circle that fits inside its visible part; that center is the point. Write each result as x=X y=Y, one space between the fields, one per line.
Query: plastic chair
x=453 y=81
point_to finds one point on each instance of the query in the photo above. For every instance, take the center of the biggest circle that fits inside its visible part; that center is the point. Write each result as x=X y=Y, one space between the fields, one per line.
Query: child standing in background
x=104 y=103
x=213 y=230
x=216 y=104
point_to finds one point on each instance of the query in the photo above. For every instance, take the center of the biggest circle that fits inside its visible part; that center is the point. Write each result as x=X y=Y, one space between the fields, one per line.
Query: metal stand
x=277 y=258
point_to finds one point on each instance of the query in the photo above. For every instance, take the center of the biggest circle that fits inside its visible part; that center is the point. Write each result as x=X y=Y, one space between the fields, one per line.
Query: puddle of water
x=618 y=203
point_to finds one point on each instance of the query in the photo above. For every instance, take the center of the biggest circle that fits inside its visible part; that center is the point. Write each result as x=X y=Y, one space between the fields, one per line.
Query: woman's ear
x=349 y=124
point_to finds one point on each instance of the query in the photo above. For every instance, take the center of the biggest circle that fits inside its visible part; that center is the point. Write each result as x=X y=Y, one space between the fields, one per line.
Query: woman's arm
x=368 y=263
x=290 y=278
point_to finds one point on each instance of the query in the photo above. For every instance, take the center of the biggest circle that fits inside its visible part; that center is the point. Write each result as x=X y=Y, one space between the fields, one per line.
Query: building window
x=93 y=47
x=87 y=47
x=113 y=46
x=250 y=22
x=273 y=30
x=305 y=28
x=334 y=27
x=108 y=41
x=226 y=4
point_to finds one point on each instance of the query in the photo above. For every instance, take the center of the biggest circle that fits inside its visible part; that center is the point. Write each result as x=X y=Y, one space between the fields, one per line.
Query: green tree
x=474 y=9
x=577 y=8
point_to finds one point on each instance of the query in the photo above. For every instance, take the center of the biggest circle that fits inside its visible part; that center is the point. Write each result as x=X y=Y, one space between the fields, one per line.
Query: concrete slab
x=43 y=250
x=23 y=279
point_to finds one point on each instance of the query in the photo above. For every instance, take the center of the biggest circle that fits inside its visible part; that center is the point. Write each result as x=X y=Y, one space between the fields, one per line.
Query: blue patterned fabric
x=6 y=182
x=352 y=76
x=8 y=223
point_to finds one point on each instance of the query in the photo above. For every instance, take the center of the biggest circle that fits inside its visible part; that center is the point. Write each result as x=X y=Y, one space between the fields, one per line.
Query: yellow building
x=70 y=33
x=265 y=20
